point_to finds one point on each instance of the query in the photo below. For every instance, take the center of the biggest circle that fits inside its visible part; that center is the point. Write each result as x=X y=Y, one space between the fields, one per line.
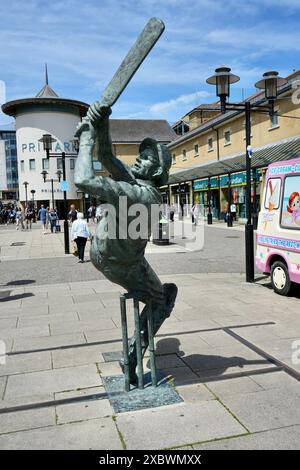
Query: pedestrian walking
x=80 y=233
x=42 y=217
x=20 y=218
x=29 y=216
x=72 y=214
x=172 y=212
x=233 y=211
x=53 y=217
x=47 y=218
x=195 y=214
x=91 y=213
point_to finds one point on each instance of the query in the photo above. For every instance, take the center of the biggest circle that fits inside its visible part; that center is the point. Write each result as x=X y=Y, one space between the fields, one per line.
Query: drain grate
x=18 y=244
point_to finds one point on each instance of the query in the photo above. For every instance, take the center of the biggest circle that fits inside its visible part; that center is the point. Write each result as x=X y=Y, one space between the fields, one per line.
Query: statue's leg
x=159 y=313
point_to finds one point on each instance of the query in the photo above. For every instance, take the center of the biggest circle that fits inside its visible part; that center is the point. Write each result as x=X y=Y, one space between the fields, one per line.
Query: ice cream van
x=278 y=231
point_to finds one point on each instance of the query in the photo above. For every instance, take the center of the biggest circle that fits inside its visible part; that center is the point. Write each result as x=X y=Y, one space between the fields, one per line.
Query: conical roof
x=46 y=91
x=45 y=97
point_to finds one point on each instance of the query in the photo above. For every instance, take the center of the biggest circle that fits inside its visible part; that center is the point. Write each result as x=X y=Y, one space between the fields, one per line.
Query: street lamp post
x=270 y=82
x=47 y=141
x=52 y=181
x=229 y=193
x=209 y=215
x=33 y=193
x=26 y=194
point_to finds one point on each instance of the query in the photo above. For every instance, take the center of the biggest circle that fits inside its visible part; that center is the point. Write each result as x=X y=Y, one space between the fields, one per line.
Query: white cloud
x=171 y=105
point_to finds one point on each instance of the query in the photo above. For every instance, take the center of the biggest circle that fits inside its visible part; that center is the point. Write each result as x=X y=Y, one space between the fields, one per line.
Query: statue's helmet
x=164 y=157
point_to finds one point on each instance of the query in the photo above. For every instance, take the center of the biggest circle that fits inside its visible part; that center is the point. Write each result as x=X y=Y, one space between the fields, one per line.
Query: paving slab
x=287 y=438
x=79 y=393
x=239 y=385
x=76 y=356
x=83 y=411
x=276 y=380
x=267 y=409
x=48 y=342
x=3 y=381
x=180 y=375
x=47 y=319
x=17 y=364
x=195 y=393
x=28 y=331
x=28 y=419
x=25 y=312
x=10 y=322
x=26 y=400
x=177 y=425
x=67 y=378
x=63 y=327
x=99 y=434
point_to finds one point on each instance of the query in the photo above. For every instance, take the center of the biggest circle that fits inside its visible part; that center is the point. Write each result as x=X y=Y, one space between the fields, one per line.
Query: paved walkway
x=234 y=395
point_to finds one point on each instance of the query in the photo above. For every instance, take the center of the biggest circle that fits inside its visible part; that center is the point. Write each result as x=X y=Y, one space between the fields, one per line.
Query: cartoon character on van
x=278 y=231
x=294 y=207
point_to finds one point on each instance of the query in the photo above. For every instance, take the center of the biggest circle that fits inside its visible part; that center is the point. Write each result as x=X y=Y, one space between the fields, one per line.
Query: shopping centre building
x=210 y=149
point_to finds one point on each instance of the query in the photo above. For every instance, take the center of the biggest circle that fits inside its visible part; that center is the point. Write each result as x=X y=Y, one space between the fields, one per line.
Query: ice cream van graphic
x=278 y=231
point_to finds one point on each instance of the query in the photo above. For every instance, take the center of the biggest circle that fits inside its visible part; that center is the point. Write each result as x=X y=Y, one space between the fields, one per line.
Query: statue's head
x=153 y=162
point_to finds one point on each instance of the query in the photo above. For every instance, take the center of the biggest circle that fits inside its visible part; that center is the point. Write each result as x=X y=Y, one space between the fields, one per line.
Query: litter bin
x=161 y=235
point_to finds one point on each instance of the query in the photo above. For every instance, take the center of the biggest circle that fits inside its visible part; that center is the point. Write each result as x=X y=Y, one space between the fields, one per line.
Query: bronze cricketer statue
x=120 y=258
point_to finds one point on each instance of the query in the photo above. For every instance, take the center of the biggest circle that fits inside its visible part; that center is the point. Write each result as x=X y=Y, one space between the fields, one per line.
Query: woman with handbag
x=79 y=234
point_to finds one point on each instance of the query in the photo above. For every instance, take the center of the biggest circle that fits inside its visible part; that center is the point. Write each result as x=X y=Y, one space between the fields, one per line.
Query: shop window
x=290 y=211
x=184 y=155
x=72 y=163
x=32 y=164
x=59 y=163
x=45 y=163
x=227 y=137
x=22 y=165
x=273 y=194
x=210 y=144
x=196 y=150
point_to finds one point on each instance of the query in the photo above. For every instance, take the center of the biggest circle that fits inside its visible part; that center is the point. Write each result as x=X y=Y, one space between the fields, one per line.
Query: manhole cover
x=17 y=244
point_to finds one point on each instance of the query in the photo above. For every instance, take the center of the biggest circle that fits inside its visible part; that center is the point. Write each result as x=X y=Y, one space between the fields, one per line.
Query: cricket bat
x=137 y=54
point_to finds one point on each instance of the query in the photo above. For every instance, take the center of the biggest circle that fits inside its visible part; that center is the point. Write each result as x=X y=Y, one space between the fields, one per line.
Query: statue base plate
x=136 y=399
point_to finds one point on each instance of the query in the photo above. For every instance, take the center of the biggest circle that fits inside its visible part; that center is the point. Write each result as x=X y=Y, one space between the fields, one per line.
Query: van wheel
x=280 y=278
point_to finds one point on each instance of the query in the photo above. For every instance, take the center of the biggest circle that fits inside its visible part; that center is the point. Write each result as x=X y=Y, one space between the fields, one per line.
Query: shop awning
x=285 y=149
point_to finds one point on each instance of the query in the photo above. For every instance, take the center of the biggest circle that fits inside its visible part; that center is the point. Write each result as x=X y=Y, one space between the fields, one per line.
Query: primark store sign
x=33 y=147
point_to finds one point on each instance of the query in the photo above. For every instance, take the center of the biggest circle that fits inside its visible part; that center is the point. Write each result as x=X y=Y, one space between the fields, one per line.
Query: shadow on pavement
x=207 y=364
x=20 y=282
x=9 y=297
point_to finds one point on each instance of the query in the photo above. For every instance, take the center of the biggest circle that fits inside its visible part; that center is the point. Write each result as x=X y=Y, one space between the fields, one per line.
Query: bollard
x=138 y=339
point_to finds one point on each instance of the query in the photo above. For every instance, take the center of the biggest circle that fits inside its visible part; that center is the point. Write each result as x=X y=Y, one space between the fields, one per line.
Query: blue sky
x=84 y=41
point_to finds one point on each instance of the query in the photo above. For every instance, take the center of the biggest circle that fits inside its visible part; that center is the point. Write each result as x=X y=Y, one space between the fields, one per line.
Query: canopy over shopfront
x=285 y=149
